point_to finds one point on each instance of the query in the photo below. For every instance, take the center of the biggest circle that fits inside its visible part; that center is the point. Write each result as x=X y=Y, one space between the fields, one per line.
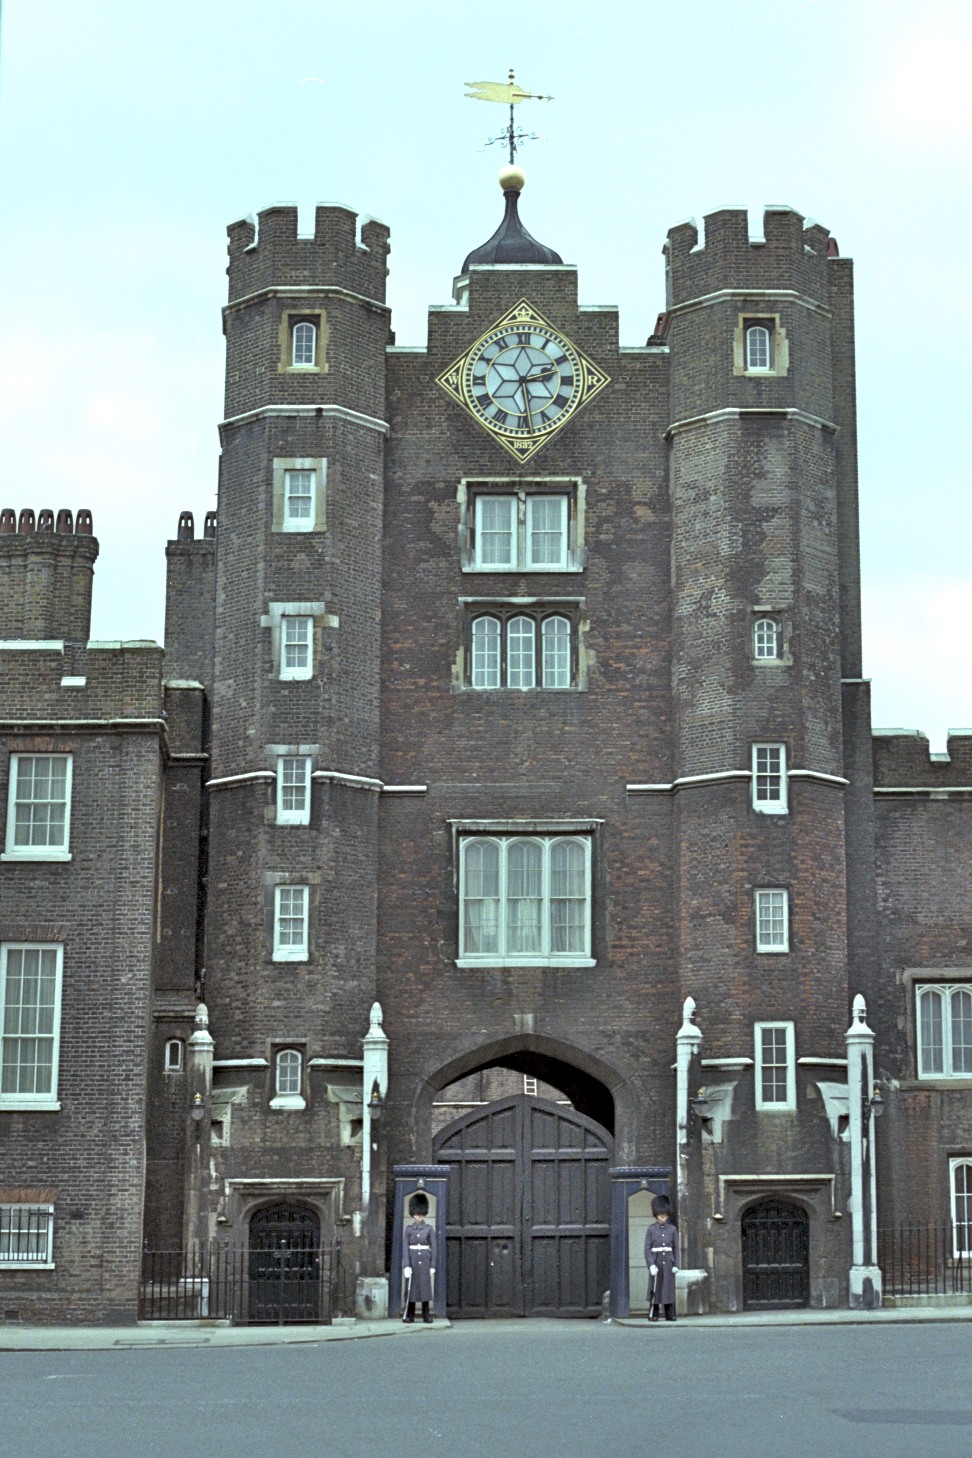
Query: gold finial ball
x=511 y=179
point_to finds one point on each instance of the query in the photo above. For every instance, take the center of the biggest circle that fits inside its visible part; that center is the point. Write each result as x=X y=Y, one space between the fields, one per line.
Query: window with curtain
x=525 y=899
x=944 y=1030
x=521 y=651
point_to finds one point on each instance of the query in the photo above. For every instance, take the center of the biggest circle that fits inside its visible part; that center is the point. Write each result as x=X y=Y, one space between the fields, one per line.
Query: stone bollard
x=691 y=1293
x=371 y=1298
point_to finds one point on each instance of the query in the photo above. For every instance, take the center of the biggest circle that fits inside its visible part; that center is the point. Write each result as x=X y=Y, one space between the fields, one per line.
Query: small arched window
x=304 y=351
x=758 y=347
x=766 y=638
x=521 y=636
x=555 y=636
x=961 y=1172
x=485 y=668
x=174 y=1055
x=289 y=1071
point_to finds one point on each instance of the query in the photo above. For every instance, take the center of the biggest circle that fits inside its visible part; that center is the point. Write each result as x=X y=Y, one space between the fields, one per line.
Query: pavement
x=178 y=1334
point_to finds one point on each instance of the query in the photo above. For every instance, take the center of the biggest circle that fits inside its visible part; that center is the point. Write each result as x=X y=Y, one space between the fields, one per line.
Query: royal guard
x=418 y=1253
x=662 y=1257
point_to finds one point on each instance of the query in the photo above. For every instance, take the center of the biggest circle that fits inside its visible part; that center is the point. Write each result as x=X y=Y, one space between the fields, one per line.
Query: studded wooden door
x=285 y=1273
x=776 y=1255
x=528 y=1230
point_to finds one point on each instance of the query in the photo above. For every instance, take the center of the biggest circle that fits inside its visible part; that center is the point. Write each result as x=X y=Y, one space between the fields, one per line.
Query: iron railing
x=226 y=1282
x=926 y=1260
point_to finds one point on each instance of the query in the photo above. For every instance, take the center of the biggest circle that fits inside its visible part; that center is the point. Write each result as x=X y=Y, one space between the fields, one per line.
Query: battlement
x=902 y=760
x=98 y=683
x=46 y=574
x=343 y=252
x=793 y=253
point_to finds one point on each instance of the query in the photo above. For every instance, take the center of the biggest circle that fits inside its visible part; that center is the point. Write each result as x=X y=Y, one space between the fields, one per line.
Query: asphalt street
x=508 y=1390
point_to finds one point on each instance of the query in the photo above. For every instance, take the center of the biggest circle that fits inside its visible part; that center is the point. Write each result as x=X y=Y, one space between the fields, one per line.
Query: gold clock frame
x=522 y=443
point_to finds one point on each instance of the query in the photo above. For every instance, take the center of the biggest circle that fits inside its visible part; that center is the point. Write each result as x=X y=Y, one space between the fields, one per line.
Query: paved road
x=508 y=1390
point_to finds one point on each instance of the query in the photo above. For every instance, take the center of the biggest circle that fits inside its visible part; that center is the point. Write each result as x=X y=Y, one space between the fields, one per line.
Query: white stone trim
x=722 y=296
x=404 y=789
x=936 y=792
x=337 y=412
x=305 y=291
x=225 y=780
x=356 y=782
x=241 y=1063
x=714 y=417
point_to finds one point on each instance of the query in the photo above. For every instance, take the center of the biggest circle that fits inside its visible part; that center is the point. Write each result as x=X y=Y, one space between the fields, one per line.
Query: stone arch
x=596 y=1088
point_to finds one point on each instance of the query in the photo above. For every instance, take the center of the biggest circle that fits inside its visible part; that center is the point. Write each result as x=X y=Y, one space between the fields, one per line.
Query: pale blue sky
x=132 y=132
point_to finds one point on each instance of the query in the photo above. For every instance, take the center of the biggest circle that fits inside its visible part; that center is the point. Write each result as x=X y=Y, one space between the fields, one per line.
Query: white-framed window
x=30 y=1024
x=527 y=534
x=775 y=1066
x=289 y=1071
x=529 y=1086
x=769 y=779
x=486 y=656
x=288 y=1079
x=759 y=348
x=772 y=919
x=303 y=345
x=496 y=532
x=555 y=665
x=39 y=807
x=290 y=923
x=293 y=789
x=766 y=639
x=944 y=1029
x=524 y=900
x=296 y=647
x=546 y=532
x=521 y=651
x=299 y=499
x=27 y=1236
x=175 y=1051
x=960 y=1184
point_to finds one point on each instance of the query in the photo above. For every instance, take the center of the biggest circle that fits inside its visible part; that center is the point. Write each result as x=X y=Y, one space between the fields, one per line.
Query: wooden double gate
x=528 y=1230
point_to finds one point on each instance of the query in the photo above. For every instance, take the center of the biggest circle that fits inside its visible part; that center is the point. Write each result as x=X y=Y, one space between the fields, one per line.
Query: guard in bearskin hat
x=662 y=1257
x=418 y=1253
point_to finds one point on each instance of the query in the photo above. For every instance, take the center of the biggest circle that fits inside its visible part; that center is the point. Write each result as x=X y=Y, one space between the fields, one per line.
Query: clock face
x=522 y=380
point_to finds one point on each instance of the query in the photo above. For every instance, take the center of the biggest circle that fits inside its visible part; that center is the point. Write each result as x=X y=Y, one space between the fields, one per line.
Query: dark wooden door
x=776 y=1255
x=284 y=1266
x=528 y=1230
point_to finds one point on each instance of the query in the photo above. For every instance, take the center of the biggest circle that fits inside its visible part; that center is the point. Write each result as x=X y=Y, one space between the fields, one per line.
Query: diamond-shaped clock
x=522 y=380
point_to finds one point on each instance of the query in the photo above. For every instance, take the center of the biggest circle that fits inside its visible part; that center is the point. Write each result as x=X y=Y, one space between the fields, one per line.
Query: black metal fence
x=233 y=1283
x=925 y=1260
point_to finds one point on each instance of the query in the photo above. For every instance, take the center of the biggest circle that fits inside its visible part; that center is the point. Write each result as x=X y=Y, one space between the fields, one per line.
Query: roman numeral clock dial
x=522 y=380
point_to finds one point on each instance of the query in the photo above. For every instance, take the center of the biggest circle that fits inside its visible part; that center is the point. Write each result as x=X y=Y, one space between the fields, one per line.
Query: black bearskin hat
x=661 y=1205
x=418 y=1204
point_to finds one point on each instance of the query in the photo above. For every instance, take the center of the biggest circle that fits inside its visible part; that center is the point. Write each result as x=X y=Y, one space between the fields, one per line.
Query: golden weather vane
x=506 y=93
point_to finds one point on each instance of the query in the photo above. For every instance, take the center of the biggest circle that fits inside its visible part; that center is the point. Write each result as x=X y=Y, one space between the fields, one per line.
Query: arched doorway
x=528 y=1230
x=775 y=1255
x=285 y=1272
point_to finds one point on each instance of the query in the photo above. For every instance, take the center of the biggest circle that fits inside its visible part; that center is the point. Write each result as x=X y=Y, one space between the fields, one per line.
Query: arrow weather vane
x=507 y=93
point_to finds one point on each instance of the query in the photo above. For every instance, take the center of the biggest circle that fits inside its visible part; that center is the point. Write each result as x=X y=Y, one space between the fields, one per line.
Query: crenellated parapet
x=903 y=761
x=792 y=254
x=342 y=253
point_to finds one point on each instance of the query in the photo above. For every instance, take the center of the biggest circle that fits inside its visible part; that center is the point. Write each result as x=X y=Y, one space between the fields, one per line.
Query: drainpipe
x=374 y=1077
x=865 y=1275
x=687 y=1042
